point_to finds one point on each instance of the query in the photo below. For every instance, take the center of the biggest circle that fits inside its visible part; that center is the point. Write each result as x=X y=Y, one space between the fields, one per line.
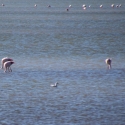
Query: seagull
x=112 y=5
x=3 y=5
x=70 y=6
x=54 y=85
x=49 y=5
x=120 y=5
x=83 y=5
x=101 y=6
x=35 y=5
x=116 y=5
x=84 y=8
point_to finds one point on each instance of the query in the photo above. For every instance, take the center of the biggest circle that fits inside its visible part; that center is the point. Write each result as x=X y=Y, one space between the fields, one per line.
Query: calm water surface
x=52 y=45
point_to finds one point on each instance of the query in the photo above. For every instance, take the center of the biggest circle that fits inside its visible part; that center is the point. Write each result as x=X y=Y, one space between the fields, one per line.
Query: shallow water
x=52 y=45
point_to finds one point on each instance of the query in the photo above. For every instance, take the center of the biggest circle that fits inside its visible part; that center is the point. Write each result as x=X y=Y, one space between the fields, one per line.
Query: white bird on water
x=54 y=85
x=101 y=6
x=35 y=5
x=70 y=6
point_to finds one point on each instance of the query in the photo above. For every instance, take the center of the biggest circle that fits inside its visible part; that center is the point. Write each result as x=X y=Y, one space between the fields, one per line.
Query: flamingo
x=7 y=66
x=5 y=59
x=108 y=61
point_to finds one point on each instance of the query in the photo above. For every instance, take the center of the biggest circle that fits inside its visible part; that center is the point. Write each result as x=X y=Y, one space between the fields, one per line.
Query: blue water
x=51 y=45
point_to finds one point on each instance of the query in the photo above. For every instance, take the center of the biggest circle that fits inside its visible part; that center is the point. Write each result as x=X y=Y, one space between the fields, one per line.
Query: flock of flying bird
x=6 y=63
